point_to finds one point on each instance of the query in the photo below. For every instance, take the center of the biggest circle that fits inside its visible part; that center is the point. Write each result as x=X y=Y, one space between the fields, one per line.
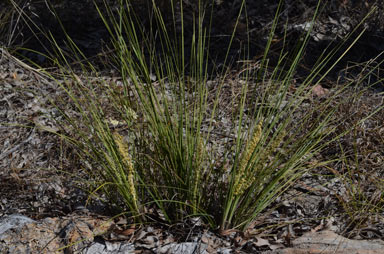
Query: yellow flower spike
x=123 y=148
x=124 y=151
x=243 y=181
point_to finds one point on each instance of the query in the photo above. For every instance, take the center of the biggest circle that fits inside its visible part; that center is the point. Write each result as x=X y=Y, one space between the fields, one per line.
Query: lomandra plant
x=165 y=159
x=269 y=155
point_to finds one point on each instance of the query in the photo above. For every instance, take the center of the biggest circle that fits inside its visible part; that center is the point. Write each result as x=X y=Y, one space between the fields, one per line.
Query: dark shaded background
x=82 y=23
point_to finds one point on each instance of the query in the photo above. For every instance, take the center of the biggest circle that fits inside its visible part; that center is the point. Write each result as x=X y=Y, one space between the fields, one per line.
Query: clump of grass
x=169 y=163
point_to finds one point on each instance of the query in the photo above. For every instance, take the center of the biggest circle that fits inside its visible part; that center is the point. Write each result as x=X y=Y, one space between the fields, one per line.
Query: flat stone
x=117 y=248
x=70 y=234
x=328 y=242
x=183 y=248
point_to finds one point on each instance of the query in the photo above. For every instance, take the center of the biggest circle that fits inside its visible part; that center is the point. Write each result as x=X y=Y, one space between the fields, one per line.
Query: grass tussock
x=166 y=154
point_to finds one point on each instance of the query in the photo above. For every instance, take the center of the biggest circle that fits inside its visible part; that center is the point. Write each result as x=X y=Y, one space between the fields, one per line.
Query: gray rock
x=183 y=248
x=224 y=251
x=110 y=248
x=13 y=221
